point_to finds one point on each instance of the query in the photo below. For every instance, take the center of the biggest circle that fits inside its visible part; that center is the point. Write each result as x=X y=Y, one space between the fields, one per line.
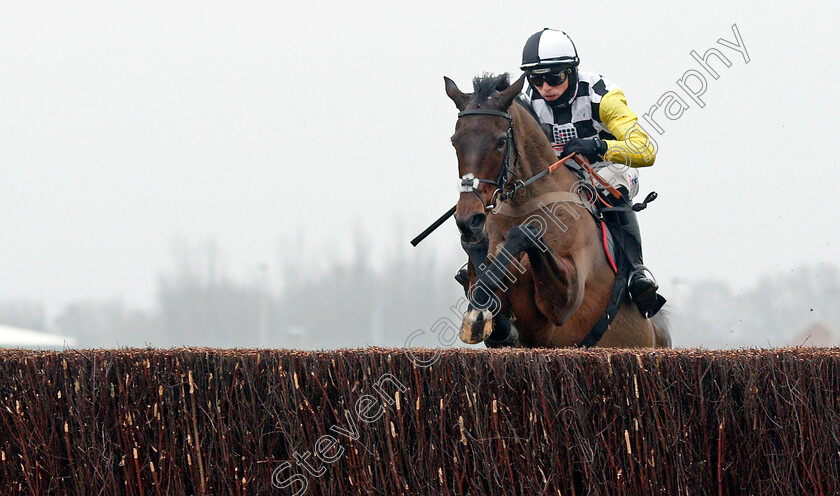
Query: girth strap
x=616 y=299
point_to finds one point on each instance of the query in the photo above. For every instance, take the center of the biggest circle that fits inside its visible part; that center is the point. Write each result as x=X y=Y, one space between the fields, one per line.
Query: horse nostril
x=472 y=225
x=477 y=222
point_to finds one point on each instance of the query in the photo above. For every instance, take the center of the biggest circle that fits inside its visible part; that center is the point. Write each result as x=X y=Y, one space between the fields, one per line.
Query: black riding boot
x=642 y=286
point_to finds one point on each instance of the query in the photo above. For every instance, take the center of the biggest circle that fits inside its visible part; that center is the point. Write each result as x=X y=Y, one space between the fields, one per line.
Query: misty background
x=211 y=174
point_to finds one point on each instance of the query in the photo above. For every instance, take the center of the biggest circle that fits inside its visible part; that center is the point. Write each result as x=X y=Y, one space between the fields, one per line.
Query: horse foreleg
x=557 y=292
x=484 y=303
x=491 y=284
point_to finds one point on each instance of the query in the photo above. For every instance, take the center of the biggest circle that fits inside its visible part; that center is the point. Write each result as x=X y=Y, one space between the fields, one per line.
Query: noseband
x=470 y=183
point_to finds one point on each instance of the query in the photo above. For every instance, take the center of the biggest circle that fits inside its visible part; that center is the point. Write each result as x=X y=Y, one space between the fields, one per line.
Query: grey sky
x=124 y=126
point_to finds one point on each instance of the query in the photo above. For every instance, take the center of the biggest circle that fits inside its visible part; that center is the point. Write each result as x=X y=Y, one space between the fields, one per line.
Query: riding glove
x=590 y=148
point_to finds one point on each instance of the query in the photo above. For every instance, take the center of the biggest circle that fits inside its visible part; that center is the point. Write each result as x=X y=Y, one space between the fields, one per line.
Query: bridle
x=505 y=189
x=470 y=183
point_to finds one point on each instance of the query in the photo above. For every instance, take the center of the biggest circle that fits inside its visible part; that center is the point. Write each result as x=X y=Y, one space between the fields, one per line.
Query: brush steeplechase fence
x=373 y=421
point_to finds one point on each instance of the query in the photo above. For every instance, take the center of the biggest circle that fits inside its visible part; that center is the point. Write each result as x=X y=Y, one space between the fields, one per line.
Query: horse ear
x=455 y=94
x=511 y=92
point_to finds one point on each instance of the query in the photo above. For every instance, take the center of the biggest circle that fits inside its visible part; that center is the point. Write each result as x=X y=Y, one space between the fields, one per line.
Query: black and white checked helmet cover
x=548 y=49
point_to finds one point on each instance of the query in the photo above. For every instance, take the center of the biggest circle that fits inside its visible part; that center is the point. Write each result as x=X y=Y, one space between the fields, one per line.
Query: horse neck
x=535 y=155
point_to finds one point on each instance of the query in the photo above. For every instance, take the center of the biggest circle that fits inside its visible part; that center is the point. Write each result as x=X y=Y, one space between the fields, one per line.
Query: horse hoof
x=477 y=326
x=504 y=334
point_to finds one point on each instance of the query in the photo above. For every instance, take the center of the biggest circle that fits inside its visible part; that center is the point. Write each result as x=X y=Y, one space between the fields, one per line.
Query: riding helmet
x=549 y=49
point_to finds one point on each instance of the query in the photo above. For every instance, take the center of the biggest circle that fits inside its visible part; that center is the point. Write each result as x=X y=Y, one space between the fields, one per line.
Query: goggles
x=552 y=78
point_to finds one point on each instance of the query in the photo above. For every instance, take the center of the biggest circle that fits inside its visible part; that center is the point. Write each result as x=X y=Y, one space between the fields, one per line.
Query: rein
x=469 y=183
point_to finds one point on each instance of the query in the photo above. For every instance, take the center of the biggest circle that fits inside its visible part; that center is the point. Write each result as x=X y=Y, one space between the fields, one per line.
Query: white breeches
x=619 y=175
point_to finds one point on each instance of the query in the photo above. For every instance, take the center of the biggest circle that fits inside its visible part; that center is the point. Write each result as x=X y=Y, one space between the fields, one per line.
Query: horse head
x=483 y=141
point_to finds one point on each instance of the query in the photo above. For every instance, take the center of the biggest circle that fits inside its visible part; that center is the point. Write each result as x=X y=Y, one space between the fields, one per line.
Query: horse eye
x=501 y=143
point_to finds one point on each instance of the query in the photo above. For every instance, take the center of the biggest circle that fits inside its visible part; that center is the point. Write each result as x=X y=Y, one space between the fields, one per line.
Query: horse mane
x=486 y=84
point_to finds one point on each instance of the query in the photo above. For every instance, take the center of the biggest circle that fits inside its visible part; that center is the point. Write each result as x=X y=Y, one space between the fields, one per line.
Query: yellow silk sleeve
x=632 y=145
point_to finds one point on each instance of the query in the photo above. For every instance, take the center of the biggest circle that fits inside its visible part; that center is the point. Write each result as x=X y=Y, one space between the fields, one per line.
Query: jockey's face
x=551 y=93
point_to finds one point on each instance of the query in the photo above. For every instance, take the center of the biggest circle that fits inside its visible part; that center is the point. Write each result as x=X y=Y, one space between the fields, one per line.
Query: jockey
x=585 y=113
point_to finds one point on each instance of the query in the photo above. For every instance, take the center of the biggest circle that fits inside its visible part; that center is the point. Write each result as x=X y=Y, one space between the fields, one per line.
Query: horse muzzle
x=471 y=226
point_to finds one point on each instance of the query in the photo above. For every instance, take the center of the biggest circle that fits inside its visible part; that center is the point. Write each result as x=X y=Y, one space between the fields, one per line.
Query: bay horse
x=551 y=277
